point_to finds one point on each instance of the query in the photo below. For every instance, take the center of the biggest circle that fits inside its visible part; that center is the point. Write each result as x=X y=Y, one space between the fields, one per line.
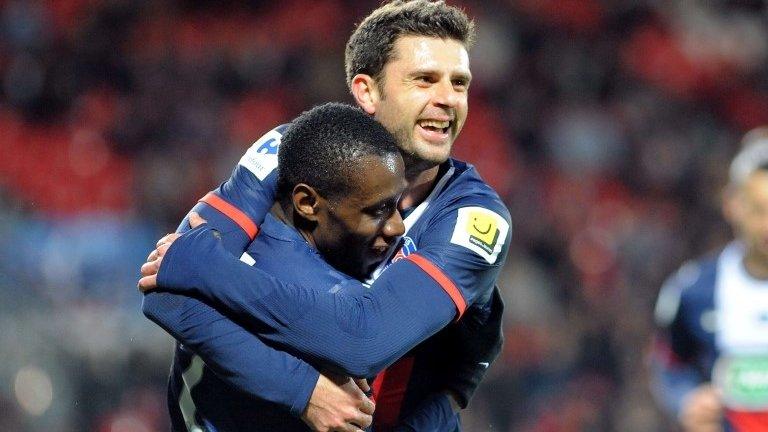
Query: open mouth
x=435 y=126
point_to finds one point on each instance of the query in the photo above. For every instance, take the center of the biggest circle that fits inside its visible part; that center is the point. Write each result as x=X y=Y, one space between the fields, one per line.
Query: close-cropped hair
x=371 y=45
x=323 y=148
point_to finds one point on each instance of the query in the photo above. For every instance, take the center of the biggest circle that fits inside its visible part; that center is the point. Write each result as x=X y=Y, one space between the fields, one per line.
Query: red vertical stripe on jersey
x=388 y=391
x=232 y=212
x=743 y=421
x=444 y=281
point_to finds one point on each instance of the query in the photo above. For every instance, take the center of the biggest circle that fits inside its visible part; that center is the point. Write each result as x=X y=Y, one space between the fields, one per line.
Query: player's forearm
x=236 y=356
x=671 y=383
x=236 y=208
x=351 y=330
x=476 y=343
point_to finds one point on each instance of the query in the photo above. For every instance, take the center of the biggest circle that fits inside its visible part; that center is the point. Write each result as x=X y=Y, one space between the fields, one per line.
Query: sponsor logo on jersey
x=261 y=158
x=483 y=230
x=269 y=147
x=480 y=230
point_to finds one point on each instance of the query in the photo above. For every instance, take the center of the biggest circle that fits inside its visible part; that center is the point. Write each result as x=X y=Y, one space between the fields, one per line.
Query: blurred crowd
x=607 y=127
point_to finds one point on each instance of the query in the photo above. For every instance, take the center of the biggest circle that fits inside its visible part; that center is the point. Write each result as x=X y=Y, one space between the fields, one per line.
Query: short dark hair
x=371 y=44
x=323 y=148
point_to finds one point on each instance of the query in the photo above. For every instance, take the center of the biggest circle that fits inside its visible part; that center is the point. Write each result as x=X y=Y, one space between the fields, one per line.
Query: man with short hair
x=711 y=357
x=407 y=65
x=336 y=164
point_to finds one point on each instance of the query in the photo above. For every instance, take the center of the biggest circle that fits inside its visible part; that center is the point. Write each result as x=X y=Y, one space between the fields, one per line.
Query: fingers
x=165 y=239
x=148 y=283
x=367 y=406
x=153 y=255
x=363 y=384
x=152 y=267
x=348 y=428
x=195 y=220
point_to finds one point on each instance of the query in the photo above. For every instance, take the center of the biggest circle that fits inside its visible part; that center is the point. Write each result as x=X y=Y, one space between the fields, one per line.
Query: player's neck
x=756 y=265
x=420 y=184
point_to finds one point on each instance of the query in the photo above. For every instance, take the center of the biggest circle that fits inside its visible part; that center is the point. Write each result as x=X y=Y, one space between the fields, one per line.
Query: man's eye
x=380 y=212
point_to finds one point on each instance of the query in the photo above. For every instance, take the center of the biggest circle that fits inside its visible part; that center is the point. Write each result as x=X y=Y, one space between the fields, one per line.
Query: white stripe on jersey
x=191 y=377
x=410 y=221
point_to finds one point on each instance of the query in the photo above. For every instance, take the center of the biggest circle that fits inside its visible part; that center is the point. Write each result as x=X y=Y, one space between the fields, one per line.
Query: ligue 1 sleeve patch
x=261 y=158
x=481 y=231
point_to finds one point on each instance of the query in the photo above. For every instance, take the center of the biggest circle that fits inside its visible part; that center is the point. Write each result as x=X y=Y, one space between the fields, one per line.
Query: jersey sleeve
x=474 y=343
x=674 y=373
x=467 y=243
x=350 y=330
x=238 y=206
x=236 y=356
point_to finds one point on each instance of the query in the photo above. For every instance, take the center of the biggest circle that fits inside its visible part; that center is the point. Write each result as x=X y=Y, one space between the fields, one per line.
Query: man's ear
x=733 y=205
x=366 y=92
x=306 y=201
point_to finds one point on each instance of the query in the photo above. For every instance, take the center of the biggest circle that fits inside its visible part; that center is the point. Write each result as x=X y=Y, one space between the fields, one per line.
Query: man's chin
x=425 y=159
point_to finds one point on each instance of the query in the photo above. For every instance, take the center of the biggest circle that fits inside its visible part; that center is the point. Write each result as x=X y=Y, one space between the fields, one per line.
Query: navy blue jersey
x=448 y=261
x=199 y=396
x=713 y=320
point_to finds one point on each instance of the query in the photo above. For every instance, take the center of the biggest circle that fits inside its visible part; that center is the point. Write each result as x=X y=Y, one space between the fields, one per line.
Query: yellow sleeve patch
x=480 y=230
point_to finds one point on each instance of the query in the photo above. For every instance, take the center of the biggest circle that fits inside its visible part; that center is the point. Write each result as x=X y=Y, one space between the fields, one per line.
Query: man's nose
x=445 y=95
x=394 y=226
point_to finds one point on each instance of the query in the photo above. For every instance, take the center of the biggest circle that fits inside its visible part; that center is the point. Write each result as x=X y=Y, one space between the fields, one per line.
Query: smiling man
x=407 y=65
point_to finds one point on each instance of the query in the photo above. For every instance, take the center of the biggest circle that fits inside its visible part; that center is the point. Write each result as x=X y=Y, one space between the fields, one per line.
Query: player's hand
x=338 y=405
x=702 y=410
x=363 y=385
x=150 y=268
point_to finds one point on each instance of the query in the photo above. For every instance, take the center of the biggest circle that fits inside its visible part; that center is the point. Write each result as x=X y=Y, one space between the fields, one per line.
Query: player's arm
x=476 y=342
x=239 y=205
x=672 y=359
x=238 y=357
x=358 y=332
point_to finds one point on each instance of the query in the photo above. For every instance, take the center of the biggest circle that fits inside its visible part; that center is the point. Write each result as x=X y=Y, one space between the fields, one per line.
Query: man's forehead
x=430 y=51
x=376 y=178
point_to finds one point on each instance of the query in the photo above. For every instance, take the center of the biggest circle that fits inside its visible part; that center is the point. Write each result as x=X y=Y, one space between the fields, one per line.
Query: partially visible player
x=407 y=65
x=711 y=359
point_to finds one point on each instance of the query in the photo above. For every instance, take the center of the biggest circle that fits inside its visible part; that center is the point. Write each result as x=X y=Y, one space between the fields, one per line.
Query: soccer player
x=711 y=359
x=339 y=181
x=407 y=65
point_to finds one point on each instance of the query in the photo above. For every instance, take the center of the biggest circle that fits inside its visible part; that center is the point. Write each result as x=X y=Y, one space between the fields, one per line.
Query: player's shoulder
x=467 y=212
x=467 y=188
x=261 y=157
x=692 y=283
x=278 y=244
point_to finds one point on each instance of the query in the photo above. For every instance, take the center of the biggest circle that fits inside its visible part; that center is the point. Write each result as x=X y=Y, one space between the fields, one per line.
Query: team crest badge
x=408 y=248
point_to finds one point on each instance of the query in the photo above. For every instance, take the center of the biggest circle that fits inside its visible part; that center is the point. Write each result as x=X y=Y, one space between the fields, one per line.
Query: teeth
x=434 y=123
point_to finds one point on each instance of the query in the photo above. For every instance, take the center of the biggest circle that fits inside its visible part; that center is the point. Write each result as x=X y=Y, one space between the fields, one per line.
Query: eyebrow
x=429 y=71
x=382 y=203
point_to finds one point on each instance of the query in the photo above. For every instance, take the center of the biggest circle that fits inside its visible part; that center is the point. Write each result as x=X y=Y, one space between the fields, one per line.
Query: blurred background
x=607 y=126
